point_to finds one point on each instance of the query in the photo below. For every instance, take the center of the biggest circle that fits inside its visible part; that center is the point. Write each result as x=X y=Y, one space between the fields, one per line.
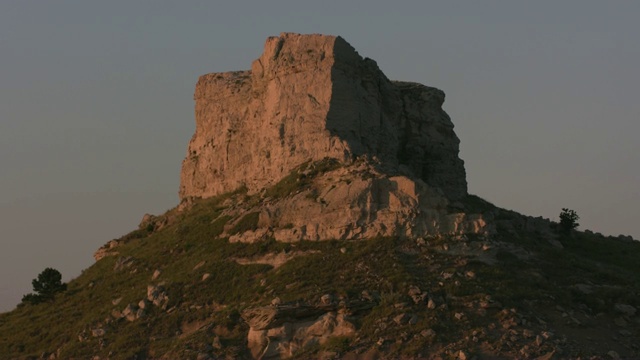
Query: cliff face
x=309 y=97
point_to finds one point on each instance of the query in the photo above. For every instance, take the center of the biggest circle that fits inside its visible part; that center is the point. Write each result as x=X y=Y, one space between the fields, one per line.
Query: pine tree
x=46 y=286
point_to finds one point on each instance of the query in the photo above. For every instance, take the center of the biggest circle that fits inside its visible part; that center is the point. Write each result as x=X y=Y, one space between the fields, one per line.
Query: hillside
x=324 y=214
x=177 y=288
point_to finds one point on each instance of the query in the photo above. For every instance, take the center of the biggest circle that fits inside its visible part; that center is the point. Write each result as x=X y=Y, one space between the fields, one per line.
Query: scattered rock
x=204 y=356
x=431 y=304
x=123 y=262
x=157 y=295
x=428 y=333
x=619 y=321
x=106 y=250
x=402 y=319
x=584 y=288
x=273 y=259
x=82 y=337
x=254 y=236
x=416 y=295
x=556 y=243
x=625 y=309
x=130 y=312
x=217 y=344
x=326 y=299
x=400 y=305
x=614 y=355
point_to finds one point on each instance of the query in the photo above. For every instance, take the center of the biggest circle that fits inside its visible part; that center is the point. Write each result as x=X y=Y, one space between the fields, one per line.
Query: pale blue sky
x=96 y=105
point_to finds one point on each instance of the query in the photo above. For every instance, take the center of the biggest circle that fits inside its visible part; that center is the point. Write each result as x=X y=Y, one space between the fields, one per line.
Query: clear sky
x=96 y=105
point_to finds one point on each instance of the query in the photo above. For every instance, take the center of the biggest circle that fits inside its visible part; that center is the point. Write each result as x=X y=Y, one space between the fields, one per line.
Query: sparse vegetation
x=246 y=223
x=338 y=344
x=198 y=310
x=300 y=178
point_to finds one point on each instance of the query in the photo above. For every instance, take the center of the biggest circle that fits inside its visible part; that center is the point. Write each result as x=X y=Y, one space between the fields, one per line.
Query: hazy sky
x=96 y=105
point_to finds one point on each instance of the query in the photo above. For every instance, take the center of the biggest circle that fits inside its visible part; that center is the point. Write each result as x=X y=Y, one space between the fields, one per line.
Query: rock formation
x=315 y=143
x=352 y=202
x=309 y=97
x=280 y=330
x=331 y=147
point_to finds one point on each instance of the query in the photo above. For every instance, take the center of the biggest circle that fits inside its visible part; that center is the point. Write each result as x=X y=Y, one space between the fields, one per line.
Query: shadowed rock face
x=309 y=97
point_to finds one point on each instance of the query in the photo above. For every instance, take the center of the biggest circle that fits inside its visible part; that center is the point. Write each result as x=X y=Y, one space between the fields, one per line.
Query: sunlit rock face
x=309 y=97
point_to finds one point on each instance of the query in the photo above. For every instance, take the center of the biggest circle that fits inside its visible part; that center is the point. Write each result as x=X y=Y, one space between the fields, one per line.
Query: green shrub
x=248 y=222
x=568 y=221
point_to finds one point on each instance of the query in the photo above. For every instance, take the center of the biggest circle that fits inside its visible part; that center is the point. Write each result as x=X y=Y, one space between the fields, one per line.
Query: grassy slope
x=176 y=250
x=202 y=310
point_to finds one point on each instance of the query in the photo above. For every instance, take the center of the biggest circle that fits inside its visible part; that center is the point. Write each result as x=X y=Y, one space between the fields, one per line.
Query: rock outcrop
x=310 y=97
x=315 y=144
x=281 y=330
x=348 y=203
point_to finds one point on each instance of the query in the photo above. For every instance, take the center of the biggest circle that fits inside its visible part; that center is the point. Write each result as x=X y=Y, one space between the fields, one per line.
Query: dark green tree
x=568 y=221
x=46 y=286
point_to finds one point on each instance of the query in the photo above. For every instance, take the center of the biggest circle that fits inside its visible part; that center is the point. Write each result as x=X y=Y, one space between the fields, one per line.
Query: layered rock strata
x=309 y=97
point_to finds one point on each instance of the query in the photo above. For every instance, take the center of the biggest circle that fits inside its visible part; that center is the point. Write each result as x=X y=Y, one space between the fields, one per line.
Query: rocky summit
x=324 y=214
x=311 y=97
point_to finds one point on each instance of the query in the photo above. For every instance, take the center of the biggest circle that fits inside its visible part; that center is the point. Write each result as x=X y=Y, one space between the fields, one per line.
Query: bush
x=568 y=221
x=46 y=285
x=248 y=222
